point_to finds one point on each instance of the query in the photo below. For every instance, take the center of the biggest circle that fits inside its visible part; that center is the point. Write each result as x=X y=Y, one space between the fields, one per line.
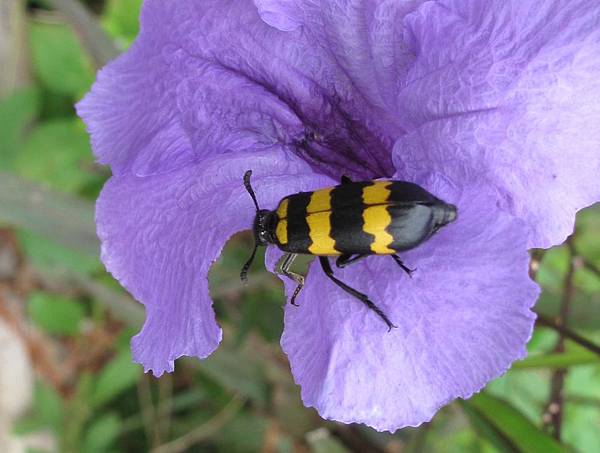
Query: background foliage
x=76 y=322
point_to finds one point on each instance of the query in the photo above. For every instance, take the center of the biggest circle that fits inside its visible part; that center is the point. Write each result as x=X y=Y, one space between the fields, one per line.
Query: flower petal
x=363 y=38
x=508 y=92
x=285 y=15
x=168 y=101
x=204 y=78
x=462 y=320
x=160 y=234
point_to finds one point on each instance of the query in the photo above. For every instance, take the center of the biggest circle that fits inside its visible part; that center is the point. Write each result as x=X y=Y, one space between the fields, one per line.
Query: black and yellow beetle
x=351 y=221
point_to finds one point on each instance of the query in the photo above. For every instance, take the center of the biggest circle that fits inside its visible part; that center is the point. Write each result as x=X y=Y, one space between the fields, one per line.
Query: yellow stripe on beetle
x=282 y=225
x=377 y=218
x=320 y=227
x=281 y=232
x=319 y=223
x=377 y=193
x=320 y=201
x=282 y=209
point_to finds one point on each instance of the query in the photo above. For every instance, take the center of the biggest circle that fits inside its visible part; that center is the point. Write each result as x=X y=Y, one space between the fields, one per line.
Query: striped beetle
x=351 y=221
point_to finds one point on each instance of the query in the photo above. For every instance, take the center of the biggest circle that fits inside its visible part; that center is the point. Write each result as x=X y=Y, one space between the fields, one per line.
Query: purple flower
x=490 y=105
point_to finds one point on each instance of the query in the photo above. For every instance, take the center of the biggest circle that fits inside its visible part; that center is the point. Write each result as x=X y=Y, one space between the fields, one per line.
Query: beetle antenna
x=244 y=273
x=249 y=188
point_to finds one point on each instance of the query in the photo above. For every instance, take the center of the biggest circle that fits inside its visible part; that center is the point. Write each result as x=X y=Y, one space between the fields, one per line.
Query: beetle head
x=261 y=229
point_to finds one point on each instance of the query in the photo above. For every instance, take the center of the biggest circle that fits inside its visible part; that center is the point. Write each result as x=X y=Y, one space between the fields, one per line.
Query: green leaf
x=244 y=433
x=321 y=441
x=55 y=314
x=581 y=415
x=261 y=311
x=58 y=59
x=542 y=341
x=17 y=111
x=559 y=360
x=79 y=413
x=486 y=431
x=58 y=217
x=513 y=426
x=57 y=153
x=238 y=371
x=285 y=444
x=587 y=281
x=527 y=392
x=102 y=433
x=553 y=268
x=119 y=375
x=586 y=241
x=45 y=254
x=183 y=401
x=46 y=411
x=121 y=20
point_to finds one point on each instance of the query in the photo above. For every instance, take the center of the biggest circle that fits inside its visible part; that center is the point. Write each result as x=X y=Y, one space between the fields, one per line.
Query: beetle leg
x=360 y=296
x=345 y=260
x=283 y=268
x=398 y=261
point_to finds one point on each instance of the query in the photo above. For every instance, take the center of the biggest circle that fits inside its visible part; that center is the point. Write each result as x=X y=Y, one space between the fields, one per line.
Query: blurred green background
x=68 y=383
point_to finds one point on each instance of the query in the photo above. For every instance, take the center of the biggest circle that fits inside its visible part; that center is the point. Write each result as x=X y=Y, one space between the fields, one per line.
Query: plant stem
x=97 y=43
x=204 y=431
x=553 y=413
x=569 y=334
